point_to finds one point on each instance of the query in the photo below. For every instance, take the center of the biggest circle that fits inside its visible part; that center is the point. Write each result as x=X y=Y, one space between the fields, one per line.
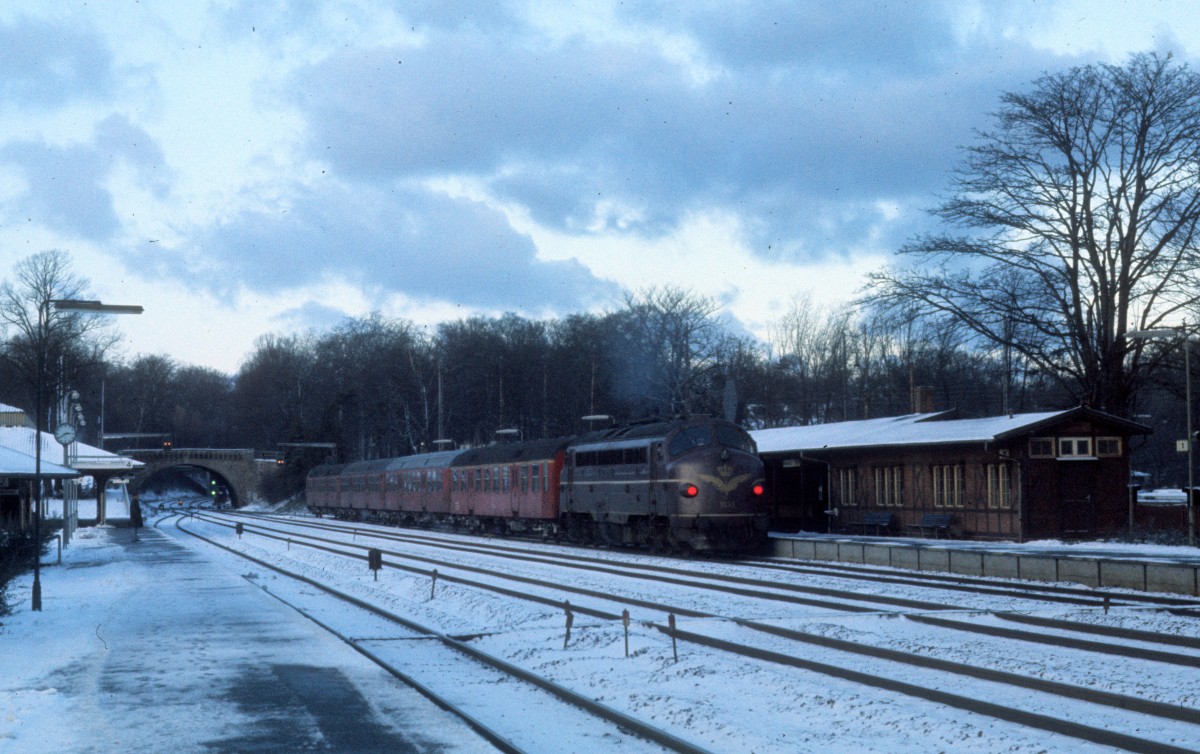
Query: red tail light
x=689 y=490
x=757 y=490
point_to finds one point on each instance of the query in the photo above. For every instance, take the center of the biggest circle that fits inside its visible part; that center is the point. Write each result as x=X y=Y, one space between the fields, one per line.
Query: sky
x=251 y=167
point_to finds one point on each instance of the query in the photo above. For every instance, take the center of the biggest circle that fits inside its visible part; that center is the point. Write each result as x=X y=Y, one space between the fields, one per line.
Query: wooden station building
x=1019 y=476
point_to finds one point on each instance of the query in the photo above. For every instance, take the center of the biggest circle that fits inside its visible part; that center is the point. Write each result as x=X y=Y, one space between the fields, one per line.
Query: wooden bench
x=937 y=523
x=879 y=521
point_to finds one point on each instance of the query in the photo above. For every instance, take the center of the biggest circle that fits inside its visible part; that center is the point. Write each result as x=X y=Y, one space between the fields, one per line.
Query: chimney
x=922 y=400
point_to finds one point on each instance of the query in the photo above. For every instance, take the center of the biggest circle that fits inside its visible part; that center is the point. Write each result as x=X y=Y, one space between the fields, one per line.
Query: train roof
x=436 y=460
x=643 y=430
x=511 y=452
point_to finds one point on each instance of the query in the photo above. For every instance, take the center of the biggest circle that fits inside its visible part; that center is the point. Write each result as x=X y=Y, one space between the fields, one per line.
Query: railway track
x=1036 y=593
x=621 y=724
x=797 y=646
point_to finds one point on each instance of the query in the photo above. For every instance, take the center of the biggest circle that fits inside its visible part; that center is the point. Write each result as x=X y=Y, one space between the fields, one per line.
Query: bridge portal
x=234 y=472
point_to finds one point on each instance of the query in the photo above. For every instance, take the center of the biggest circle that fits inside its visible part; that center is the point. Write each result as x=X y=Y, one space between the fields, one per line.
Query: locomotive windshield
x=730 y=436
x=689 y=438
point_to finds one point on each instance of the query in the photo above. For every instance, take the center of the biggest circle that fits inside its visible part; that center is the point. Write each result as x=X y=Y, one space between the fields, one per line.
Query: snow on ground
x=719 y=701
x=715 y=700
x=152 y=647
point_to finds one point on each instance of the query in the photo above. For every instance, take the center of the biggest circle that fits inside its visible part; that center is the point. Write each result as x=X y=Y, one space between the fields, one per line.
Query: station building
x=1056 y=474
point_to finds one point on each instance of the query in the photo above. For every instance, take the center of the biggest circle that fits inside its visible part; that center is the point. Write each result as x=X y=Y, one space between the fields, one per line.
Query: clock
x=65 y=433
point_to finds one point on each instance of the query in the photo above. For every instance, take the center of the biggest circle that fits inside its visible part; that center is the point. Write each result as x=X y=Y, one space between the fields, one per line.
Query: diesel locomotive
x=684 y=485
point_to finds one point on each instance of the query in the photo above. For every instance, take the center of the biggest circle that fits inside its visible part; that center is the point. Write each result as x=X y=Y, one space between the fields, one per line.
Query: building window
x=1041 y=447
x=1108 y=446
x=844 y=481
x=1075 y=447
x=999 y=488
x=948 y=486
x=889 y=486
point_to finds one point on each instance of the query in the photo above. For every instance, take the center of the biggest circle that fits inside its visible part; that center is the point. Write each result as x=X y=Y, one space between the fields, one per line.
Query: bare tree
x=1080 y=212
x=48 y=347
x=674 y=340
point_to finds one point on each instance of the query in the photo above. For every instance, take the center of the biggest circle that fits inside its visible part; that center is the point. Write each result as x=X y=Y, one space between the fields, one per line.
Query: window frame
x=889 y=486
x=846 y=481
x=1073 y=442
x=948 y=485
x=1052 y=447
x=998 y=481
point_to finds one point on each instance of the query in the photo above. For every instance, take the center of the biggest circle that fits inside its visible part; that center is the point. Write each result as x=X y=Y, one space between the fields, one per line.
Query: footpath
x=155 y=645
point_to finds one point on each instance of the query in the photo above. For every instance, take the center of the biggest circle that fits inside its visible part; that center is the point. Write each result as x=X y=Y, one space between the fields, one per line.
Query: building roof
x=88 y=459
x=924 y=429
x=11 y=416
x=16 y=465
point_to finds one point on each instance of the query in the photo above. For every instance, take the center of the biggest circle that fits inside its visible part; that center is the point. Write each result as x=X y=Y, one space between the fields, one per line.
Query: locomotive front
x=720 y=504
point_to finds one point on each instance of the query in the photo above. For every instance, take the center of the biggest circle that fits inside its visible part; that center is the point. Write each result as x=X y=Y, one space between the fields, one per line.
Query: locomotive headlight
x=758 y=489
x=689 y=490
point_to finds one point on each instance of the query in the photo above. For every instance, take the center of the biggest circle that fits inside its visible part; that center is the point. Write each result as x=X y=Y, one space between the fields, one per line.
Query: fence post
x=674 y=647
x=433 y=584
x=625 y=621
x=570 y=620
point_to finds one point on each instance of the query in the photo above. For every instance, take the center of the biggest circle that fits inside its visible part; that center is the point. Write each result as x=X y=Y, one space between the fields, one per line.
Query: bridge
x=236 y=471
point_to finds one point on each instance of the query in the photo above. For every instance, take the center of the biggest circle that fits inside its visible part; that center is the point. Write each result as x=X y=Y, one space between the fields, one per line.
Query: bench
x=880 y=522
x=937 y=523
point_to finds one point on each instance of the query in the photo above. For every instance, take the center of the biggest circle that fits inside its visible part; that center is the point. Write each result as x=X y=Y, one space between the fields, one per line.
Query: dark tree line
x=378 y=387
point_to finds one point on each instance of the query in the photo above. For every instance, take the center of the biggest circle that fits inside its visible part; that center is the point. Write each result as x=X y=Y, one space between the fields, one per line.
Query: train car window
x=478 y=480
x=639 y=456
x=534 y=483
x=524 y=479
x=733 y=437
x=689 y=438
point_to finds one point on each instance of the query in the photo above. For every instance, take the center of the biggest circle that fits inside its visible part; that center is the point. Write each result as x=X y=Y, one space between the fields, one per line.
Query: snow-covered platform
x=152 y=645
x=1151 y=568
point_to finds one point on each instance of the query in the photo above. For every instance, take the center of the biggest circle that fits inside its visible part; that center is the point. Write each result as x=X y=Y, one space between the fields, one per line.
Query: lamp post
x=43 y=326
x=1175 y=332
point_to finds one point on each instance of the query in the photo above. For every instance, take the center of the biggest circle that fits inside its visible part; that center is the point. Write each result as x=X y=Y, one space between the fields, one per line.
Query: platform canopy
x=88 y=459
x=17 y=465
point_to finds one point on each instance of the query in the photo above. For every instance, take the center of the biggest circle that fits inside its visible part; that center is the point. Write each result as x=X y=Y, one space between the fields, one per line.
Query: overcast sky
x=241 y=168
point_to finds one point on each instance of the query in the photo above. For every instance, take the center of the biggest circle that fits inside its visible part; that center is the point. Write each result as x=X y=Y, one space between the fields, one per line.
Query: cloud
x=422 y=245
x=808 y=120
x=852 y=35
x=67 y=186
x=49 y=64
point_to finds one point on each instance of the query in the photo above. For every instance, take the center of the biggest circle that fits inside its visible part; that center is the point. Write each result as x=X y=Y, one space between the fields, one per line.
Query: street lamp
x=1176 y=332
x=43 y=324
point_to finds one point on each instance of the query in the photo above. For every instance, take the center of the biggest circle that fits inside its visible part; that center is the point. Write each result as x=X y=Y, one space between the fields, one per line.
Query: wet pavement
x=154 y=646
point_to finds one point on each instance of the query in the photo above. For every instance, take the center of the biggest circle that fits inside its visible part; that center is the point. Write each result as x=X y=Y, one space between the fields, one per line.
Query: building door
x=1076 y=508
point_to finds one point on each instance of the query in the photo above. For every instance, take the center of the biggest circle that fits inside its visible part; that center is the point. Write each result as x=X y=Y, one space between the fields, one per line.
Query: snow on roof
x=87 y=457
x=16 y=465
x=910 y=429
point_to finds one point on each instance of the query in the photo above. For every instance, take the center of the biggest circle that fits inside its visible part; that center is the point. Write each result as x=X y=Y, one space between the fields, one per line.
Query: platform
x=1173 y=570
x=155 y=645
